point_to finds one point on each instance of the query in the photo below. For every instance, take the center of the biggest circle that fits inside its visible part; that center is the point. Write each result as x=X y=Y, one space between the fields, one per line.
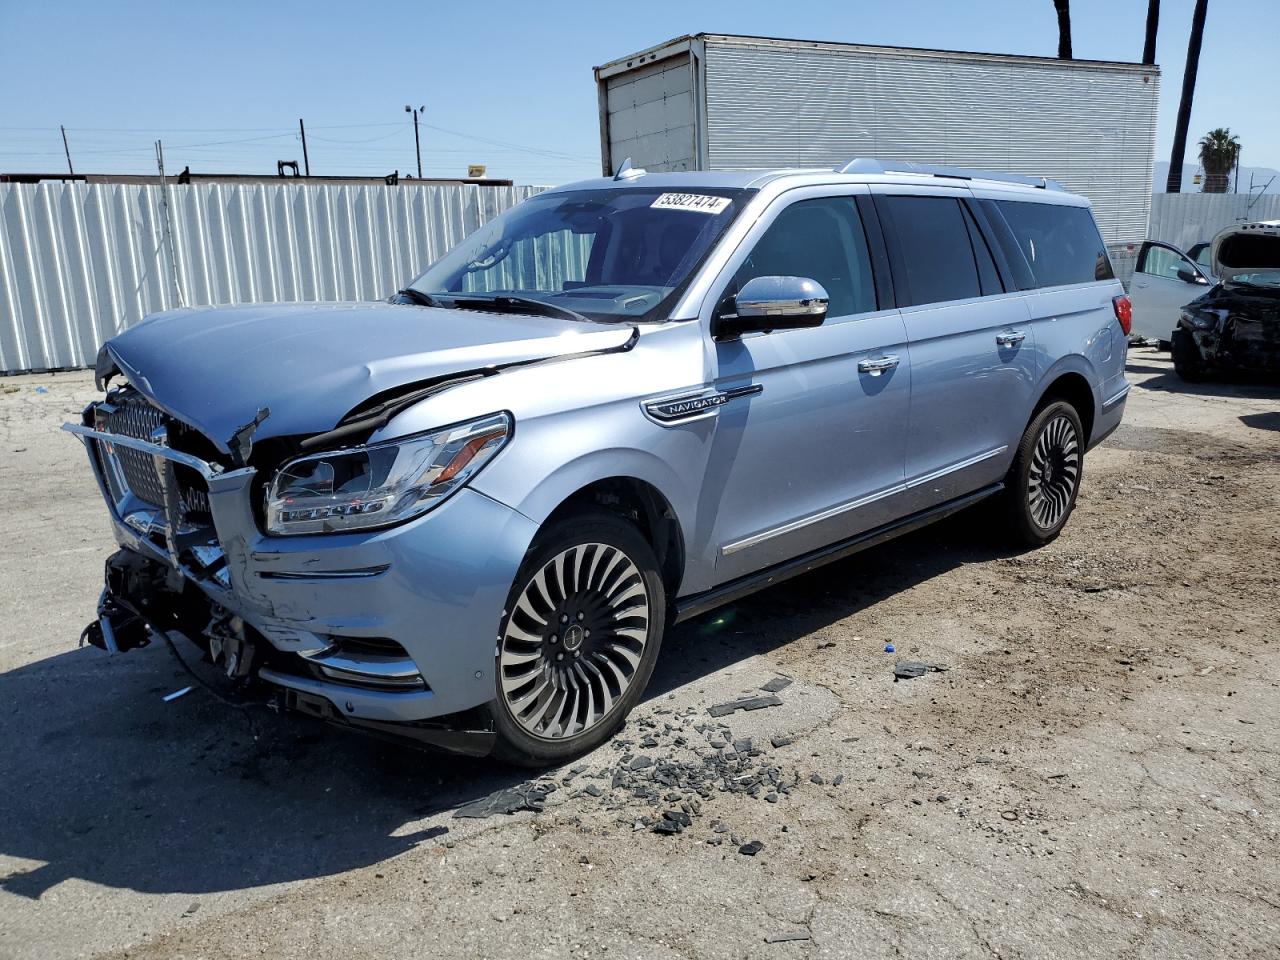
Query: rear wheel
x=578 y=641
x=1044 y=480
x=1187 y=362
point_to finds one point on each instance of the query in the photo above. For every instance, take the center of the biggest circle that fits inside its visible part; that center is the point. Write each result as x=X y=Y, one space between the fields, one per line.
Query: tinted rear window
x=1060 y=243
x=933 y=246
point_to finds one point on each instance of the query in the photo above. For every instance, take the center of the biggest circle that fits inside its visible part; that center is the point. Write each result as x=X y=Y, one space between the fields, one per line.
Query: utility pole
x=306 y=163
x=1179 y=152
x=168 y=226
x=417 y=143
x=70 y=169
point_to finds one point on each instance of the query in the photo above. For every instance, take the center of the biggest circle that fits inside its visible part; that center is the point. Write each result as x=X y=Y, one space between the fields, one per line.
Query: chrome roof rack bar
x=872 y=165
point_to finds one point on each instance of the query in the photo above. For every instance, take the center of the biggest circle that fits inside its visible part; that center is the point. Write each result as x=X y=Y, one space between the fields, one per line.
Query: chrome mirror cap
x=774 y=297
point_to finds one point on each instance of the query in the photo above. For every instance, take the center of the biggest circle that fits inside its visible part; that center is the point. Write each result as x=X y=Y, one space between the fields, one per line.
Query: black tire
x=1187 y=362
x=1042 y=484
x=590 y=571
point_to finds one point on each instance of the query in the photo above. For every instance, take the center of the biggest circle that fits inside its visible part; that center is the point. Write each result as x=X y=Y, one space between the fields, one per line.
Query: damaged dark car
x=1235 y=326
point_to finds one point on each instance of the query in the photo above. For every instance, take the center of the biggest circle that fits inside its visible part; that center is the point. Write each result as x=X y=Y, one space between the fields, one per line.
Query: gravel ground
x=1094 y=776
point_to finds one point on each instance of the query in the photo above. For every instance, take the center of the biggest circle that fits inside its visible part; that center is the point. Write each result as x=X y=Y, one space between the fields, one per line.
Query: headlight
x=382 y=483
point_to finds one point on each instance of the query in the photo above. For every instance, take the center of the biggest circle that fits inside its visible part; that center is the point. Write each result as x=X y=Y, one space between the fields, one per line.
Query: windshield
x=607 y=254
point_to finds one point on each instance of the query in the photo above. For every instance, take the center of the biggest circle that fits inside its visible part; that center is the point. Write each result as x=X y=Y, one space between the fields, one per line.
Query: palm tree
x=1153 y=23
x=1179 y=152
x=1064 y=28
x=1219 y=151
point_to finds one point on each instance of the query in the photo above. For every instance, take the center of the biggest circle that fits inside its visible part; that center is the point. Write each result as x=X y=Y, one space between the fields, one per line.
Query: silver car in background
x=468 y=514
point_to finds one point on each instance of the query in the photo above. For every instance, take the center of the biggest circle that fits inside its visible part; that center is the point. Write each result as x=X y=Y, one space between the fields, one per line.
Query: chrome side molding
x=799 y=524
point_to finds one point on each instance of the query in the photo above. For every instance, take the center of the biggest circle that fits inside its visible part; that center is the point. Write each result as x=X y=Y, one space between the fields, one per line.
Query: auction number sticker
x=700 y=202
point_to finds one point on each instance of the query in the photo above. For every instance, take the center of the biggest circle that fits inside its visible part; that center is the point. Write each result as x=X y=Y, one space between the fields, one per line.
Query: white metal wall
x=1185 y=219
x=1091 y=126
x=81 y=262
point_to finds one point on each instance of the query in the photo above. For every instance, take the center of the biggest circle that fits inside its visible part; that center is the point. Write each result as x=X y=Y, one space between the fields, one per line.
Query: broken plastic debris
x=525 y=796
x=776 y=684
x=178 y=693
x=910 y=669
x=888 y=648
x=745 y=703
x=751 y=849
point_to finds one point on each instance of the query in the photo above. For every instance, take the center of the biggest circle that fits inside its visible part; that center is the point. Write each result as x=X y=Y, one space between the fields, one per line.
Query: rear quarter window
x=1060 y=243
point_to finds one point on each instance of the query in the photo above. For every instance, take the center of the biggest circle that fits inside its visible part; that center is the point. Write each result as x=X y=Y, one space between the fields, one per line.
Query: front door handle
x=1011 y=339
x=877 y=365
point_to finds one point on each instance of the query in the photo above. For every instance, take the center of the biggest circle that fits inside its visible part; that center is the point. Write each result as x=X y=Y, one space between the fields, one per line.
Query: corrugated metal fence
x=1184 y=219
x=80 y=262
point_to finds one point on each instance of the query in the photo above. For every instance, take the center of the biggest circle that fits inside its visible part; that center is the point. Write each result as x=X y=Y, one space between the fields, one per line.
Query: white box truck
x=719 y=102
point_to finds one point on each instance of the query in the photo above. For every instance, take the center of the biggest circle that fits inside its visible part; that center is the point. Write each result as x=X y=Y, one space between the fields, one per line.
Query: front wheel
x=1187 y=361
x=578 y=640
x=1045 y=477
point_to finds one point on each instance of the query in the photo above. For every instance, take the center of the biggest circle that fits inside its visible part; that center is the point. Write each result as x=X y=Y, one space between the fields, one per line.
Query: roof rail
x=872 y=165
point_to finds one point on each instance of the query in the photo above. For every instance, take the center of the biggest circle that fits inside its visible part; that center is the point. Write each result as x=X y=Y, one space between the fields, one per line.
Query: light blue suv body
x=754 y=373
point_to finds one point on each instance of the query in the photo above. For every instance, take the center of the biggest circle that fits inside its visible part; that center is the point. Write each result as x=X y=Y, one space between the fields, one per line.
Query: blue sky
x=506 y=84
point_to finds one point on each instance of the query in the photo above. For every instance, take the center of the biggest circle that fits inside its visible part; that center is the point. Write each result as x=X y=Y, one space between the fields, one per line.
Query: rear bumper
x=436 y=586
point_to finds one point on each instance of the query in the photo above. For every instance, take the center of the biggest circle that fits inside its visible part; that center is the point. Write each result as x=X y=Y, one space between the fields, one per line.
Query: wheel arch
x=1070 y=382
x=641 y=503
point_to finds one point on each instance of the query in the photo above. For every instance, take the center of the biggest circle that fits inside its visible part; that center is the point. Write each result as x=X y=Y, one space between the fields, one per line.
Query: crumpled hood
x=309 y=364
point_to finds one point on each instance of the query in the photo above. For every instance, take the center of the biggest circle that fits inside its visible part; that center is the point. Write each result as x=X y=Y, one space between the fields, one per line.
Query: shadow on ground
x=105 y=782
x=1244 y=385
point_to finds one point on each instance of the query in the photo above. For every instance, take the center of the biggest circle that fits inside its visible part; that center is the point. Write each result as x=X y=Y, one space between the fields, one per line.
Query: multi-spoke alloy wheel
x=574 y=641
x=1041 y=487
x=1055 y=471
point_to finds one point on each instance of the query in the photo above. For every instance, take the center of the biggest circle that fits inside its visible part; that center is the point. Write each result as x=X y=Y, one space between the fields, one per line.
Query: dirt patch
x=1094 y=775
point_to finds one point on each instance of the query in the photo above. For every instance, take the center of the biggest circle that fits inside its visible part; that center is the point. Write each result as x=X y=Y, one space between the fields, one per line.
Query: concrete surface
x=1095 y=776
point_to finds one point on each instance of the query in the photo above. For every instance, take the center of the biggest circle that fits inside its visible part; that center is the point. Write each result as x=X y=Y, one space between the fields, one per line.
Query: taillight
x=1124 y=312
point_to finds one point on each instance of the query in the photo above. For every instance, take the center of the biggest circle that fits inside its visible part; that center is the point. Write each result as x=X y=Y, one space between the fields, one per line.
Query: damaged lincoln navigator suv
x=467 y=514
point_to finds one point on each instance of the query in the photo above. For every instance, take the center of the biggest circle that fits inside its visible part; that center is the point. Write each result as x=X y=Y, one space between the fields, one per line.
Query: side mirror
x=1187 y=275
x=773 y=303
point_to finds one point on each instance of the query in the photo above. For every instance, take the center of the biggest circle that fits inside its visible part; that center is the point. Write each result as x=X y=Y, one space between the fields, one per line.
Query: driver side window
x=821 y=240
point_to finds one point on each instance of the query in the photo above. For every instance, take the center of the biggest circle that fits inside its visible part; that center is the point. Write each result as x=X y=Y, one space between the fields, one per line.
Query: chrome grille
x=138 y=419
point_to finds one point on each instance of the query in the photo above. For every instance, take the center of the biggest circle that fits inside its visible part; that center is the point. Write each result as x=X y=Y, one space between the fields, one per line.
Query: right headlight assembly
x=381 y=484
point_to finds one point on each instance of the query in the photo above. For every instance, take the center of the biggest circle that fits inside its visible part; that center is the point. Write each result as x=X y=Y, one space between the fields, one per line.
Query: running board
x=699 y=603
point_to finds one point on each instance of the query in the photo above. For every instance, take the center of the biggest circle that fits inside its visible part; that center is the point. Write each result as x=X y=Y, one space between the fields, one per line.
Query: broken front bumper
x=434 y=587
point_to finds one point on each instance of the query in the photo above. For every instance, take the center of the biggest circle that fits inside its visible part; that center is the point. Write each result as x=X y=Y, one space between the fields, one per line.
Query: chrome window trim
x=799 y=524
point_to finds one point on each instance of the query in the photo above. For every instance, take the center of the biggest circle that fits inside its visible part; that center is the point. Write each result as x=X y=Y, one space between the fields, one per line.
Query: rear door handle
x=1011 y=339
x=877 y=365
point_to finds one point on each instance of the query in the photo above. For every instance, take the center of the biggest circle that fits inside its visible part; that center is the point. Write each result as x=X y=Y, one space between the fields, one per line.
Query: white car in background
x=1164 y=280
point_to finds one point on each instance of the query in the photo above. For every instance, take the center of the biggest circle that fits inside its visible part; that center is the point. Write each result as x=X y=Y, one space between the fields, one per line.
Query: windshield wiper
x=418 y=297
x=511 y=304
